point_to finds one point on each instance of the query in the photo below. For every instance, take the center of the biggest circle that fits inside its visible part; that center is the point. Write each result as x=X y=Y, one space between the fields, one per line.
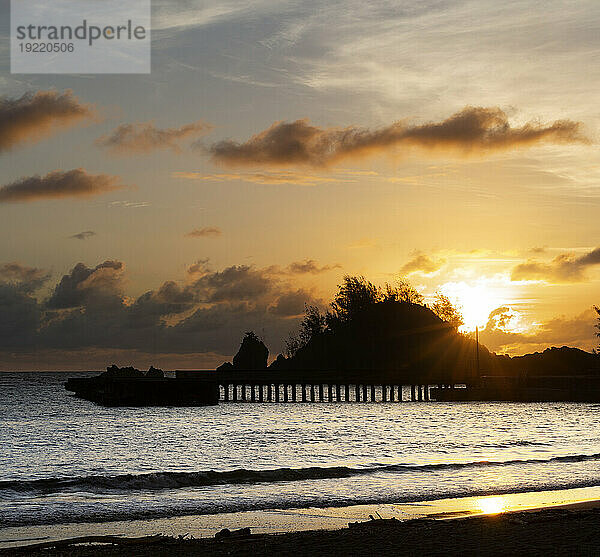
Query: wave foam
x=176 y=480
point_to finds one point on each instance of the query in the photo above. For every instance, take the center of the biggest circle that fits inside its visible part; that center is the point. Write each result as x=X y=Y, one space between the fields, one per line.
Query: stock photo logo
x=80 y=36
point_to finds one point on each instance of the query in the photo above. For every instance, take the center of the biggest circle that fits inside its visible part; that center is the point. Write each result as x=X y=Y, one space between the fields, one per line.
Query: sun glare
x=475 y=302
x=491 y=505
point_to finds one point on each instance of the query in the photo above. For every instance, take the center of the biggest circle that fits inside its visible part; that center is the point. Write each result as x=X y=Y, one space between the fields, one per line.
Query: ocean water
x=65 y=460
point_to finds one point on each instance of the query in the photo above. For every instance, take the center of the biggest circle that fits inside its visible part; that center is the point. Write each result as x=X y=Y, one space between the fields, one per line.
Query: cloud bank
x=207 y=312
x=37 y=115
x=473 y=130
x=58 y=185
x=22 y=277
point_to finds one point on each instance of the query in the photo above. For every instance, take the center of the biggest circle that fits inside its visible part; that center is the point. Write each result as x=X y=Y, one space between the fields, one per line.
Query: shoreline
x=290 y=521
x=569 y=529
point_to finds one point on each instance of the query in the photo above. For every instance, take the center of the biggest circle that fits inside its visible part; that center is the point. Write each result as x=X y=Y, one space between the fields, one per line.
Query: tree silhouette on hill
x=355 y=296
x=368 y=327
x=371 y=328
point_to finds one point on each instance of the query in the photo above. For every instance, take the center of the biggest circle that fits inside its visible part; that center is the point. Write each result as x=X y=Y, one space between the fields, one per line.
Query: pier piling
x=320 y=388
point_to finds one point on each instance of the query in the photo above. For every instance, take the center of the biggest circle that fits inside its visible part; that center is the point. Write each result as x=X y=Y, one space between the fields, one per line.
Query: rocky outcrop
x=253 y=354
x=225 y=366
x=116 y=371
x=131 y=372
x=154 y=372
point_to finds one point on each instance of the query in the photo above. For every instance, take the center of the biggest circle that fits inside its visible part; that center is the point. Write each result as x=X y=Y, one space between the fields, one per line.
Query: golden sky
x=277 y=146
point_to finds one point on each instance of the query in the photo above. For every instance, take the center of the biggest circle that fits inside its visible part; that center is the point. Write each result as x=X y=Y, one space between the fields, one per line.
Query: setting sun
x=475 y=302
x=285 y=277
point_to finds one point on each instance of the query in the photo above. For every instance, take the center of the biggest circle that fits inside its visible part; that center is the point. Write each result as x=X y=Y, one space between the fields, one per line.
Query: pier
x=256 y=386
x=145 y=391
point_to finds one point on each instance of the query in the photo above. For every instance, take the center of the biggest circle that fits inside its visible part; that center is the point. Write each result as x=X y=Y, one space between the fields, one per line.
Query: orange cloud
x=59 y=184
x=472 y=130
x=309 y=266
x=143 y=137
x=421 y=263
x=37 y=115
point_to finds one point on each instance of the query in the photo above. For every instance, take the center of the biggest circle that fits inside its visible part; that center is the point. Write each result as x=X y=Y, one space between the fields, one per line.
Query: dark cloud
x=206 y=232
x=472 y=130
x=23 y=277
x=36 y=115
x=238 y=282
x=144 y=137
x=421 y=263
x=84 y=285
x=21 y=317
x=150 y=308
x=563 y=268
x=86 y=234
x=291 y=304
x=207 y=313
x=59 y=184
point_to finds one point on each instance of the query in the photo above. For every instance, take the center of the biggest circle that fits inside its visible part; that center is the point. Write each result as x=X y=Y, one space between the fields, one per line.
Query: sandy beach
x=566 y=530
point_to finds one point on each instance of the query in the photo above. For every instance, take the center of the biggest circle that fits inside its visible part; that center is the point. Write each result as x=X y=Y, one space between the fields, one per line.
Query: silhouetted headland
x=374 y=341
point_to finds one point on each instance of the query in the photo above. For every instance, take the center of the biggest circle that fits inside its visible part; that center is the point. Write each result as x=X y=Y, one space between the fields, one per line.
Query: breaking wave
x=175 y=480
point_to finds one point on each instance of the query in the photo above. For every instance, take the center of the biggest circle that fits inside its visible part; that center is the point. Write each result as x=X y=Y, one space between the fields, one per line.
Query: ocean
x=66 y=460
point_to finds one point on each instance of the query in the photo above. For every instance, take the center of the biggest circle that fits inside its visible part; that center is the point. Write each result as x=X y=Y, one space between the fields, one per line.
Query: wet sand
x=572 y=529
x=279 y=521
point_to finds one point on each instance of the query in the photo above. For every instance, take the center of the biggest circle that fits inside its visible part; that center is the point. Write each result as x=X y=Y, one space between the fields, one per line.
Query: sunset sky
x=277 y=146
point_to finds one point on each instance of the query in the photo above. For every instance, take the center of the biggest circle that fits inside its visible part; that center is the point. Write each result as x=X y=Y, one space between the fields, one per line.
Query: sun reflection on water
x=491 y=505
